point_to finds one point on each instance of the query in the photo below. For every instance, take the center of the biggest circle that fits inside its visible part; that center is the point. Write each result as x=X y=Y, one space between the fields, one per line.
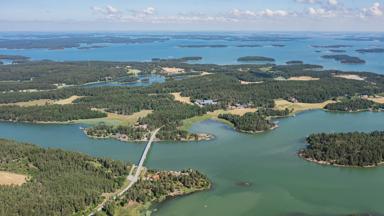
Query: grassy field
x=43 y=102
x=178 y=97
x=115 y=119
x=299 y=107
x=379 y=99
x=303 y=78
x=69 y=100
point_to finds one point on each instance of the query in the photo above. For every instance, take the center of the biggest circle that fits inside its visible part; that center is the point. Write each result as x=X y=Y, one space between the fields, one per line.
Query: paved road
x=133 y=178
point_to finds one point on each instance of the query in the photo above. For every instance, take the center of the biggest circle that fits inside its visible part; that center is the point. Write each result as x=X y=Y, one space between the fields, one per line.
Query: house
x=205 y=102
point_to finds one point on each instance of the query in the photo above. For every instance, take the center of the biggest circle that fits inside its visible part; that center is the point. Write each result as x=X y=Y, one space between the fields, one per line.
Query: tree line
x=348 y=149
x=48 y=113
x=61 y=182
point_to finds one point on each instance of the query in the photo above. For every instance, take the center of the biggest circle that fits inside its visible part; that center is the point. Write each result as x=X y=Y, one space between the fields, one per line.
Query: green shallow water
x=280 y=182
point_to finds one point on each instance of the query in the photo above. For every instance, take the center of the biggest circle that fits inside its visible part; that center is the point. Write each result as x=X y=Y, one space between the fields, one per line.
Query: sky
x=192 y=15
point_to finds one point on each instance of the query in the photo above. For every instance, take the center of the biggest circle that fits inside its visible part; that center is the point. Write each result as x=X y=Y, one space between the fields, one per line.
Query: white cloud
x=375 y=10
x=264 y=13
x=321 y=12
x=321 y=9
x=274 y=13
x=333 y=2
x=240 y=13
x=149 y=10
x=307 y=1
x=108 y=11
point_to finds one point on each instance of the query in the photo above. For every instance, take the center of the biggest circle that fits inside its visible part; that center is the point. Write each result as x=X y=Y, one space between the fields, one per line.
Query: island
x=337 y=51
x=255 y=58
x=345 y=149
x=248 y=45
x=278 y=45
x=371 y=50
x=337 y=46
x=294 y=62
x=60 y=42
x=345 y=59
x=57 y=182
x=203 y=46
x=256 y=122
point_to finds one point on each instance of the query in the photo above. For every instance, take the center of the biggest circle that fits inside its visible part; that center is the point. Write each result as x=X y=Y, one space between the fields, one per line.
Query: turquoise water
x=300 y=49
x=280 y=182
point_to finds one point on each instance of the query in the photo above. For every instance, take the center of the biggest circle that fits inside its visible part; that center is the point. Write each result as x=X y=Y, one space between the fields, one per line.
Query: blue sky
x=184 y=15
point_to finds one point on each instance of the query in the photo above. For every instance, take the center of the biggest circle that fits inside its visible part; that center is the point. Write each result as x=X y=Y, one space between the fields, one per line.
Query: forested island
x=57 y=43
x=59 y=182
x=294 y=62
x=371 y=50
x=345 y=59
x=337 y=46
x=256 y=122
x=138 y=133
x=204 y=46
x=337 y=51
x=255 y=58
x=249 y=45
x=345 y=149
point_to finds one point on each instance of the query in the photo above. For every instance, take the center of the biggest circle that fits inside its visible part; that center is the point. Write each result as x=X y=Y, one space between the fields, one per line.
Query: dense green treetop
x=347 y=149
x=61 y=182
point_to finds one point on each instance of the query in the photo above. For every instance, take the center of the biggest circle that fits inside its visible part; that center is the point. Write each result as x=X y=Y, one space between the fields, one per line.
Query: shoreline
x=154 y=206
x=327 y=163
x=258 y=132
x=201 y=137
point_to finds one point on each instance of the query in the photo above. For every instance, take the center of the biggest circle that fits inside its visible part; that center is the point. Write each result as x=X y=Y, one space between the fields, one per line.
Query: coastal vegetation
x=74 y=41
x=49 y=113
x=154 y=187
x=345 y=59
x=337 y=51
x=250 y=122
x=204 y=46
x=158 y=185
x=354 y=105
x=294 y=62
x=345 y=149
x=255 y=58
x=371 y=50
x=59 y=182
x=337 y=46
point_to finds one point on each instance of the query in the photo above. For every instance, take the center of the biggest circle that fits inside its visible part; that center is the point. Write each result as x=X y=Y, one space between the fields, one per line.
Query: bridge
x=131 y=178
